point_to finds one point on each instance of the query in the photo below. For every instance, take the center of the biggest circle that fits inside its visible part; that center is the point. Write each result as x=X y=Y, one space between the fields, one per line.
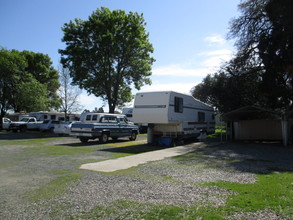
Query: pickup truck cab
x=26 y=123
x=103 y=126
x=6 y=123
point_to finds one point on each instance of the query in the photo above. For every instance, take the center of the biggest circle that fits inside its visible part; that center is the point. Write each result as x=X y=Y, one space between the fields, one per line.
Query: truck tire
x=83 y=139
x=104 y=138
x=23 y=128
x=51 y=130
x=133 y=136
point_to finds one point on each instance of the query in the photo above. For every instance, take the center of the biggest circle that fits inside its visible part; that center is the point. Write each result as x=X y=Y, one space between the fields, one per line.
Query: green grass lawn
x=272 y=191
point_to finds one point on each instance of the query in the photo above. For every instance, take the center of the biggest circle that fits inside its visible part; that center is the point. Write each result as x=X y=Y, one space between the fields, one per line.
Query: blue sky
x=189 y=36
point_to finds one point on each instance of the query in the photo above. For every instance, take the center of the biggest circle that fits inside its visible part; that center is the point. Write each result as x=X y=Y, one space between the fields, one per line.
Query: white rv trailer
x=172 y=114
x=56 y=116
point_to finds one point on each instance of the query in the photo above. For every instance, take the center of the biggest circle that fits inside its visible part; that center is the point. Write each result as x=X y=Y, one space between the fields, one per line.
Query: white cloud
x=216 y=58
x=215 y=39
x=86 y=99
x=217 y=52
x=90 y=102
x=209 y=61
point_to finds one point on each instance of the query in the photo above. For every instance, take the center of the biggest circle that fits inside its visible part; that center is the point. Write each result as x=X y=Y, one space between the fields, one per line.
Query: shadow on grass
x=258 y=158
x=9 y=135
x=134 y=149
x=118 y=146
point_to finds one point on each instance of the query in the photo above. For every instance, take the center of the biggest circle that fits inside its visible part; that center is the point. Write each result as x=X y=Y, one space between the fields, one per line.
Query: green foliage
x=40 y=67
x=235 y=85
x=28 y=92
x=12 y=67
x=28 y=82
x=108 y=53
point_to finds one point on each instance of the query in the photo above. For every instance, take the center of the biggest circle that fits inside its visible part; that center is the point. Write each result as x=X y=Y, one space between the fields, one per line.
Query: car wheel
x=83 y=140
x=104 y=138
x=133 y=136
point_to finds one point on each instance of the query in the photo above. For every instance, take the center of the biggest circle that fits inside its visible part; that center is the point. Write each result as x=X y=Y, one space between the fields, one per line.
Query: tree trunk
x=111 y=108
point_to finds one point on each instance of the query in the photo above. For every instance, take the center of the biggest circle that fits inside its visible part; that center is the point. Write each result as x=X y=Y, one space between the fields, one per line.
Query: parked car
x=6 y=123
x=63 y=128
x=48 y=125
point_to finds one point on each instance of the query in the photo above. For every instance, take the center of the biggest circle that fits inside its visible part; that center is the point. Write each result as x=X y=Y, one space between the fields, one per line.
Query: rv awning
x=249 y=113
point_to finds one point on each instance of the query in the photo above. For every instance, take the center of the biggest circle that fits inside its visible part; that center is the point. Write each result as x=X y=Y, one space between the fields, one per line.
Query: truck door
x=125 y=129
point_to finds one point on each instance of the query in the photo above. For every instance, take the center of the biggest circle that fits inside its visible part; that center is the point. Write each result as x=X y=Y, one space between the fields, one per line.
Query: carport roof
x=250 y=113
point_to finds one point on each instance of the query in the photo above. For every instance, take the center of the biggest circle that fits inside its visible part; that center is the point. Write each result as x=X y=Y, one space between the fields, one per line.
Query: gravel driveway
x=172 y=181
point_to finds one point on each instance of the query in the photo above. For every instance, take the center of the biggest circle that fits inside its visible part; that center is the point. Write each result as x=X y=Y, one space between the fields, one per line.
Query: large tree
x=26 y=84
x=108 y=54
x=12 y=68
x=40 y=67
x=261 y=72
x=264 y=35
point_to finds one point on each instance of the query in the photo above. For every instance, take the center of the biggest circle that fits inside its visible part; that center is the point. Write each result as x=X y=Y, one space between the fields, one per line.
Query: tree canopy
x=262 y=71
x=28 y=82
x=108 y=53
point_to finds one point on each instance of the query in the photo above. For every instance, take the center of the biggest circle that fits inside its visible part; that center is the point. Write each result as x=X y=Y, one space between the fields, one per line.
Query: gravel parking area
x=173 y=181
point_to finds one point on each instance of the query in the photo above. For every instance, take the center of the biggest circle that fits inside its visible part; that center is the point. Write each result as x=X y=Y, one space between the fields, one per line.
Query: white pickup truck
x=26 y=123
x=5 y=123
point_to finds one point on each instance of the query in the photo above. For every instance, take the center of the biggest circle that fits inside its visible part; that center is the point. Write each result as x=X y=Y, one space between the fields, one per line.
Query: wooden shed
x=255 y=123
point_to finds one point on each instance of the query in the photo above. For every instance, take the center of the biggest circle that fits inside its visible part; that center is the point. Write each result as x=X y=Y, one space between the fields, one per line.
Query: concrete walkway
x=134 y=160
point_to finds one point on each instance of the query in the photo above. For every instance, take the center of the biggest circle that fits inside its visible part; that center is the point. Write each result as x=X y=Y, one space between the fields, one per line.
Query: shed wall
x=258 y=130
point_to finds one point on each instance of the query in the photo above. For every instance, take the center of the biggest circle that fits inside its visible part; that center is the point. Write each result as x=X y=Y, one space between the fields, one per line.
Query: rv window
x=88 y=117
x=201 y=116
x=178 y=104
x=95 y=117
x=53 y=117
